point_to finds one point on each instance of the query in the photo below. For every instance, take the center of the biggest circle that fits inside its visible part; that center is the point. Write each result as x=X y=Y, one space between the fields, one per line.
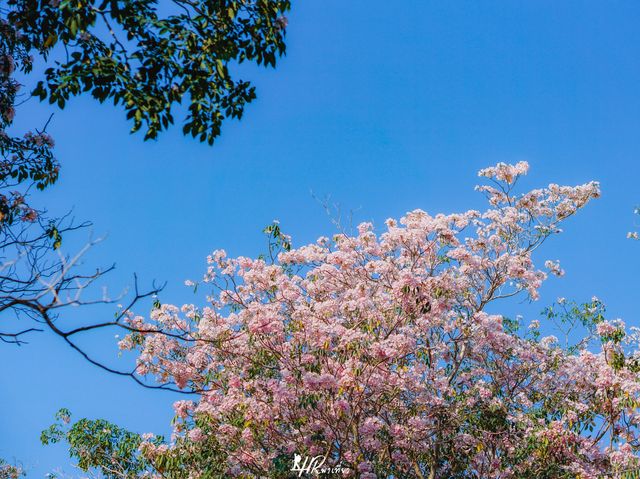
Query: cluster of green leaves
x=149 y=56
x=277 y=241
x=568 y=316
x=587 y=314
x=99 y=445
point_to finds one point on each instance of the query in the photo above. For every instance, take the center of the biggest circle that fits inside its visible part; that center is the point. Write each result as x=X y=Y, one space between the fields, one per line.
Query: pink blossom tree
x=377 y=353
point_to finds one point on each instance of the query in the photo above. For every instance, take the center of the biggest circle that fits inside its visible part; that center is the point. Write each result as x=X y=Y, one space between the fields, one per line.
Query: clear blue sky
x=385 y=106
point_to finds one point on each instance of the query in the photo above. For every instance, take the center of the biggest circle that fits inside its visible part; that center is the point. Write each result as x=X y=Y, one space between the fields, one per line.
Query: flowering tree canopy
x=376 y=354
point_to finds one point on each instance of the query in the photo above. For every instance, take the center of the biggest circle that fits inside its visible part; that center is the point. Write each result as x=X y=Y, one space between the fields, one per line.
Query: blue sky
x=384 y=106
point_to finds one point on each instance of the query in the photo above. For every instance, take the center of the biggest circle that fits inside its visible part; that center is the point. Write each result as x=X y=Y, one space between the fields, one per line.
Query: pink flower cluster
x=377 y=352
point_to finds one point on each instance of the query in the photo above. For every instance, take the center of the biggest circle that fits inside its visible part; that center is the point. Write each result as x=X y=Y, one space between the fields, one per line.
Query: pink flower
x=196 y=435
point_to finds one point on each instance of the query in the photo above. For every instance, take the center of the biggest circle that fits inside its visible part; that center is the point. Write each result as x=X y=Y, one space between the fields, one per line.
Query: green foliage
x=102 y=447
x=632 y=474
x=99 y=445
x=277 y=242
x=587 y=314
x=277 y=239
x=149 y=59
x=54 y=233
x=570 y=315
x=511 y=326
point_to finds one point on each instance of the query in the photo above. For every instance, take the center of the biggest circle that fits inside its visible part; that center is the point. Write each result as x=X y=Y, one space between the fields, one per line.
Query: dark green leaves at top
x=129 y=53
